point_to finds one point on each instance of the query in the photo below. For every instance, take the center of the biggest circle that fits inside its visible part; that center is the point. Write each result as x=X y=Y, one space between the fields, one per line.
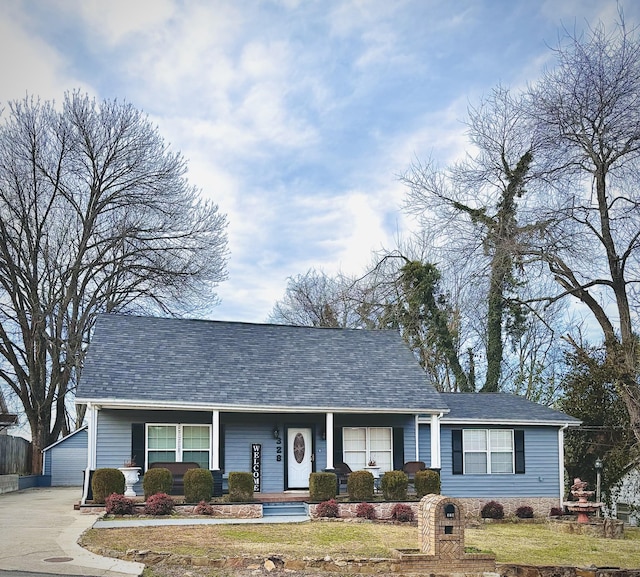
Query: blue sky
x=296 y=117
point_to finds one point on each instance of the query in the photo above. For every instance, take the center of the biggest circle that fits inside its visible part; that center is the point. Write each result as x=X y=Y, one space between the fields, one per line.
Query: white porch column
x=215 y=440
x=417 y=426
x=435 y=441
x=92 y=436
x=329 y=434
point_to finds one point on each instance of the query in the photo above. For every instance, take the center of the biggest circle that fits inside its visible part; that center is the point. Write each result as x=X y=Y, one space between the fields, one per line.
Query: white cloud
x=29 y=65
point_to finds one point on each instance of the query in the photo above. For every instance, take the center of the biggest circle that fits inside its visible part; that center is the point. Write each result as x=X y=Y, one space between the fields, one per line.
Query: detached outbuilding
x=66 y=460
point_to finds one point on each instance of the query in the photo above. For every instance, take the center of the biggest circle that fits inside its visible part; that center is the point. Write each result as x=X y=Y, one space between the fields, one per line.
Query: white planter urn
x=131 y=477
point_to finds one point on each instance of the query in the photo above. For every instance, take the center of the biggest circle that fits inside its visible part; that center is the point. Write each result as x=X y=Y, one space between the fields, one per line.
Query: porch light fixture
x=276 y=432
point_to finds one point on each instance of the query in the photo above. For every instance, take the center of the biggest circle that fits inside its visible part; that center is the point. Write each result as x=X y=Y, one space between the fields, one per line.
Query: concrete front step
x=288 y=509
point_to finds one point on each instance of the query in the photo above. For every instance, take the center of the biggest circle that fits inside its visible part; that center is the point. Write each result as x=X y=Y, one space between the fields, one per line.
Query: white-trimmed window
x=178 y=443
x=361 y=445
x=488 y=451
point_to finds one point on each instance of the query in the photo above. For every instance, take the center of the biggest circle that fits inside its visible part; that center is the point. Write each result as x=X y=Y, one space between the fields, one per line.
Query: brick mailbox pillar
x=441 y=542
x=441 y=527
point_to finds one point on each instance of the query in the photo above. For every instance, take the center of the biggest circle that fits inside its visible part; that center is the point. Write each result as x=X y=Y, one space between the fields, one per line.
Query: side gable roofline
x=83 y=428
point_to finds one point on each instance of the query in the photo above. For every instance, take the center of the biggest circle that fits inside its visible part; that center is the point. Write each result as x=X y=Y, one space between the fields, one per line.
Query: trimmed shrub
x=492 y=510
x=402 y=513
x=524 y=512
x=116 y=504
x=159 y=504
x=106 y=481
x=157 y=480
x=240 y=487
x=198 y=485
x=322 y=486
x=556 y=512
x=394 y=485
x=360 y=486
x=328 y=509
x=203 y=508
x=427 y=483
x=366 y=511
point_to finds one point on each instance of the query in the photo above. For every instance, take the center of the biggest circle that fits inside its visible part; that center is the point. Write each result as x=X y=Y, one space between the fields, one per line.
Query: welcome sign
x=256 y=466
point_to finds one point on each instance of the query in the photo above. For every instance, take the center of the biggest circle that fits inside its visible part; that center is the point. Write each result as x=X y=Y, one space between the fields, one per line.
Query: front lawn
x=532 y=544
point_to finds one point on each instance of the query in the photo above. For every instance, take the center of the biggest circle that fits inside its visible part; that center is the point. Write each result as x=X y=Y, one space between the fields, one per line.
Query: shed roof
x=159 y=362
x=500 y=408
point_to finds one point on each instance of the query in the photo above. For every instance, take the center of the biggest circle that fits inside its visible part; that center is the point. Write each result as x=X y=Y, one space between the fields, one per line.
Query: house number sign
x=256 y=465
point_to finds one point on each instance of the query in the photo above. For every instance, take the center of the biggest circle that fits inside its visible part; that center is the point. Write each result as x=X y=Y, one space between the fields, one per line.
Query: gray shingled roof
x=497 y=407
x=229 y=365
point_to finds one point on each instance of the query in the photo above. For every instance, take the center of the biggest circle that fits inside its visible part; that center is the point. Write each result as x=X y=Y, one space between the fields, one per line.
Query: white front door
x=299 y=457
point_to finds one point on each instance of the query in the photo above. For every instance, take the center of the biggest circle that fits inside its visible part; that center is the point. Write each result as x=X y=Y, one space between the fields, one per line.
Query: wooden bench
x=177 y=472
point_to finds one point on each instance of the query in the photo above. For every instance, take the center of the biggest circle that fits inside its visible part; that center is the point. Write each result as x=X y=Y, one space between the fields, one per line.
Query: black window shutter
x=138 y=444
x=337 y=446
x=456 y=451
x=398 y=448
x=518 y=439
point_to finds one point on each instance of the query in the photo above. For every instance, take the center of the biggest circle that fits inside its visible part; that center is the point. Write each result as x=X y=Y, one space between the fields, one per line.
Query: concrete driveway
x=40 y=530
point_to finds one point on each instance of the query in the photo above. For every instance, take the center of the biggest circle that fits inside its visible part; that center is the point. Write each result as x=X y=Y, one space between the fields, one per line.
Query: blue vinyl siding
x=424 y=438
x=541 y=478
x=405 y=422
x=240 y=432
x=67 y=460
x=114 y=433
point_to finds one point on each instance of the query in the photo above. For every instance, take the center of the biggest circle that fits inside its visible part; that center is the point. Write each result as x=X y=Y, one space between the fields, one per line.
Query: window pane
x=380 y=439
x=200 y=457
x=195 y=437
x=501 y=463
x=354 y=439
x=162 y=457
x=357 y=461
x=161 y=437
x=501 y=440
x=475 y=440
x=475 y=463
x=383 y=460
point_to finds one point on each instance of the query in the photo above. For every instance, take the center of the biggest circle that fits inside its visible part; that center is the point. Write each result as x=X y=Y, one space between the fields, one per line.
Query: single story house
x=283 y=401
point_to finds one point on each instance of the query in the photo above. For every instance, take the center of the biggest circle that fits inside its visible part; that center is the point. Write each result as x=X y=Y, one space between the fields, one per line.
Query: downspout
x=561 y=431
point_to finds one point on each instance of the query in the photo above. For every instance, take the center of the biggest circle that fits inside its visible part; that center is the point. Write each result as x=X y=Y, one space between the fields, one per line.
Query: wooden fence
x=15 y=456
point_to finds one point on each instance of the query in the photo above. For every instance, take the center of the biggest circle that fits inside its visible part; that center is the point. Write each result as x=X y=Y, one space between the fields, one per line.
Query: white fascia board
x=516 y=422
x=162 y=405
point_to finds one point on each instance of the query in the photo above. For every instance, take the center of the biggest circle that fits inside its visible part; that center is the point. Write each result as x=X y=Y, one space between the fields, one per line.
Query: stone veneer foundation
x=472 y=506
x=541 y=505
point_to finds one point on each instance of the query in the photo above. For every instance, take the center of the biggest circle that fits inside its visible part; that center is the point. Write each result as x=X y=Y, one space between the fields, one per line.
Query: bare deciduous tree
x=96 y=215
x=586 y=111
x=474 y=212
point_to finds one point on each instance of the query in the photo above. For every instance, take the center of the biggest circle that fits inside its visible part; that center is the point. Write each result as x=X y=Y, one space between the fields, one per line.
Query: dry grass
x=538 y=545
x=533 y=544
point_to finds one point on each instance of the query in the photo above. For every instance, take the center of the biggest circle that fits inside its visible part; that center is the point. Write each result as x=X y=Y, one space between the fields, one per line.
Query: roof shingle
x=236 y=365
